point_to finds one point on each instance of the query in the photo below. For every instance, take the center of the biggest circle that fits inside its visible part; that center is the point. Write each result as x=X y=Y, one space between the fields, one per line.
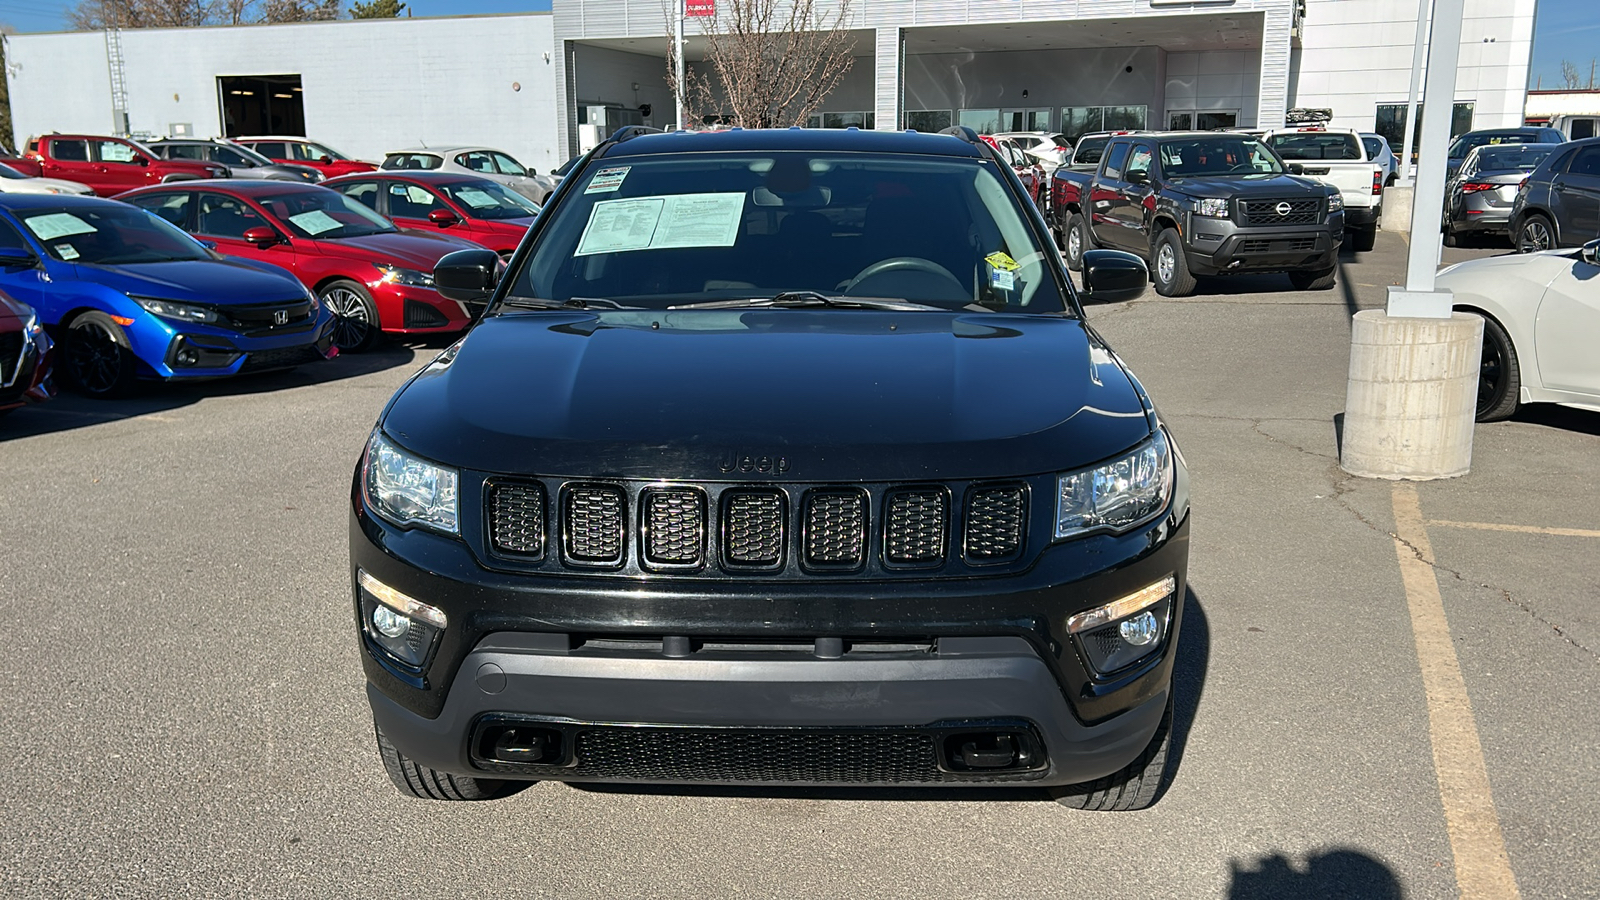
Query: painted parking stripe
x=1519 y=529
x=1483 y=871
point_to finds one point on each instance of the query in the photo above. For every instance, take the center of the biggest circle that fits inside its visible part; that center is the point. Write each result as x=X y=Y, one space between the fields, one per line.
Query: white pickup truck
x=1337 y=157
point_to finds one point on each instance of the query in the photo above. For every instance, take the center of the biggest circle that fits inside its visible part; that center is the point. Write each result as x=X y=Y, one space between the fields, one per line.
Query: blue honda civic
x=127 y=296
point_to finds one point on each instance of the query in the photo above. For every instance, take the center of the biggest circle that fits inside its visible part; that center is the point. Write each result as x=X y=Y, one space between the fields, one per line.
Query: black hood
x=838 y=394
x=1248 y=187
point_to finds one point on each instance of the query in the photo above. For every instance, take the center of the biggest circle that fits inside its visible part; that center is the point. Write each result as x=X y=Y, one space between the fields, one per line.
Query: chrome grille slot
x=914 y=526
x=593 y=519
x=752 y=527
x=996 y=518
x=674 y=527
x=836 y=529
x=516 y=517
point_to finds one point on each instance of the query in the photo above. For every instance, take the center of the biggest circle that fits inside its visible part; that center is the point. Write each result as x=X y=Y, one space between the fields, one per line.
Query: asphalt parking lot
x=186 y=712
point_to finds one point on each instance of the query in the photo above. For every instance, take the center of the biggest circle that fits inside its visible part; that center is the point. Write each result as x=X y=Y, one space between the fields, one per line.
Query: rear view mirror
x=443 y=218
x=1138 y=176
x=467 y=276
x=261 y=235
x=1296 y=169
x=1590 y=253
x=1111 y=276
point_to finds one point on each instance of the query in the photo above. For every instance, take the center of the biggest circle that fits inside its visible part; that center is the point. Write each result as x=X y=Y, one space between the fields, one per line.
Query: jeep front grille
x=836 y=528
x=995 y=520
x=593 y=521
x=516 y=517
x=1265 y=212
x=914 y=526
x=753 y=530
x=674 y=527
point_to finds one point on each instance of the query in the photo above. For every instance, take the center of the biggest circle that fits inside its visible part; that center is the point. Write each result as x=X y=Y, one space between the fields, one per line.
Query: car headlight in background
x=182 y=312
x=397 y=275
x=1335 y=203
x=30 y=321
x=1118 y=495
x=407 y=490
x=1216 y=209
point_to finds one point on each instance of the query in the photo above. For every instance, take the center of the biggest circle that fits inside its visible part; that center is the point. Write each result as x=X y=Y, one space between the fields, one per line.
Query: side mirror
x=325 y=160
x=467 y=276
x=142 y=160
x=1111 y=276
x=1138 y=176
x=1296 y=169
x=1590 y=253
x=17 y=258
x=443 y=218
x=261 y=235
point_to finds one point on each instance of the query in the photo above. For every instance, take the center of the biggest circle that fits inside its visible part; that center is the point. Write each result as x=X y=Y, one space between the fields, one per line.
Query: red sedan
x=25 y=353
x=302 y=152
x=373 y=277
x=466 y=206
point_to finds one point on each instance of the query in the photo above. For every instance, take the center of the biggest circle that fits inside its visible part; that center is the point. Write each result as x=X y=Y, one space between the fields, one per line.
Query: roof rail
x=964 y=132
x=629 y=132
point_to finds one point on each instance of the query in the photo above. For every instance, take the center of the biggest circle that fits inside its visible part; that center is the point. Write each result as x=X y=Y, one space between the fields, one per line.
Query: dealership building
x=545 y=85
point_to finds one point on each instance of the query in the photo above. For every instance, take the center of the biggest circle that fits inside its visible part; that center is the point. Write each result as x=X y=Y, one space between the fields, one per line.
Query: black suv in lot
x=781 y=457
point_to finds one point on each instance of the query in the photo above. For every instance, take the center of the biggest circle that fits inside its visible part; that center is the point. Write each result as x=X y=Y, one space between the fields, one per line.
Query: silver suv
x=242 y=162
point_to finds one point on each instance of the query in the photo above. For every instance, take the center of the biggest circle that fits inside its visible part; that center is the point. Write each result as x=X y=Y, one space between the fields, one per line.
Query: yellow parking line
x=1483 y=871
x=1520 y=529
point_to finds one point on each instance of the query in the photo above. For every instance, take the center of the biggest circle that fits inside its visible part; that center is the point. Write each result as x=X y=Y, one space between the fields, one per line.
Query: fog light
x=1141 y=629
x=187 y=357
x=391 y=624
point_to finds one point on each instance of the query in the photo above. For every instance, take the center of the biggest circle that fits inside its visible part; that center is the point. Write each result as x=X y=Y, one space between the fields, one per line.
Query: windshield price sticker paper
x=476 y=199
x=606 y=181
x=67 y=252
x=315 y=222
x=54 y=225
x=650 y=223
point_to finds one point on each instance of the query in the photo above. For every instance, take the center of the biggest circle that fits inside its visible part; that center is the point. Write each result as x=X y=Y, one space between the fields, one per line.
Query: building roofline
x=505 y=15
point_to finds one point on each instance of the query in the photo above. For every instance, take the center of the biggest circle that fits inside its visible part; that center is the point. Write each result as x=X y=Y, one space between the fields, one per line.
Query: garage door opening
x=261 y=104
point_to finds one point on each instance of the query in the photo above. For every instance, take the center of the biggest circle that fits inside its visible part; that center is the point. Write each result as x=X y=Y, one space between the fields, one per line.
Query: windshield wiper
x=570 y=303
x=796 y=299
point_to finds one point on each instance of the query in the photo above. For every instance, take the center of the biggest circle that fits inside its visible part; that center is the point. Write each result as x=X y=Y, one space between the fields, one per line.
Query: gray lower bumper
x=517 y=675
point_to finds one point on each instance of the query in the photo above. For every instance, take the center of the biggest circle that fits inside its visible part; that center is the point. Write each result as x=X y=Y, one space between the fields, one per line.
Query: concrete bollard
x=1397 y=209
x=1411 y=397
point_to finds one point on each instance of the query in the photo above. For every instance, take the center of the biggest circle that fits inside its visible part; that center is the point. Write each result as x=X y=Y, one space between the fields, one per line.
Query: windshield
x=111 y=235
x=508 y=166
x=672 y=230
x=1222 y=154
x=489 y=200
x=324 y=214
x=1512 y=157
x=1374 y=146
x=1090 y=150
x=320 y=150
x=241 y=156
x=1468 y=141
x=8 y=172
x=1303 y=145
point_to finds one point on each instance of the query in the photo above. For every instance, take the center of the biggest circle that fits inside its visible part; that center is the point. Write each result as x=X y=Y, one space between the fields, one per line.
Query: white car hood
x=43 y=186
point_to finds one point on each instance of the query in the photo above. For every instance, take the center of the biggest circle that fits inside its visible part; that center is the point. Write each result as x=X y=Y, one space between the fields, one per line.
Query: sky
x=1564 y=29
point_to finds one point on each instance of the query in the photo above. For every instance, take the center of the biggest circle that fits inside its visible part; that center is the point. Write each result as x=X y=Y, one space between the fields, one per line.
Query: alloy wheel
x=1166 y=263
x=1535 y=236
x=95 y=358
x=350 y=322
x=1074 y=244
x=1491 y=375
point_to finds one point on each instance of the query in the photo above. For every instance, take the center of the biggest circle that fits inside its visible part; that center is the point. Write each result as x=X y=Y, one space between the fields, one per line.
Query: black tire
x=1362 y=240
x=1077 y=241
x=429 y=784
x=1317 y=280
x=1170 y=268
x=1499 y=375
x=355 y=316
x=97 y=359
x=1451 y=239
x=1134 y=787
x=1535 y=233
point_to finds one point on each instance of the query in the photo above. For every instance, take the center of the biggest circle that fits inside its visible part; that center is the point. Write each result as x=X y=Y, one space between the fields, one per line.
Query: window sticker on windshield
x=315 y=222
x=54 y=225
x=651 y=223
x=419 y=196
x=1003 y=279
x=1001 y=261
x=66 y=251
x=606 y=181
x=476 y=199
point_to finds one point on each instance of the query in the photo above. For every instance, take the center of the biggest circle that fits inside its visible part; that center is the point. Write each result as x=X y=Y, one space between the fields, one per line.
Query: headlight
x=1216 y=209
x=183 y=312
x=397 y=275
x=407 y=490
x=1118 y=495
x=30 y=322
x=1335 y=203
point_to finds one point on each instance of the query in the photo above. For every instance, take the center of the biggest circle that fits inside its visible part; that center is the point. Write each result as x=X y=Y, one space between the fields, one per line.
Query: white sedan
x=485 y=162
x=1541 y=324
x=14 y=182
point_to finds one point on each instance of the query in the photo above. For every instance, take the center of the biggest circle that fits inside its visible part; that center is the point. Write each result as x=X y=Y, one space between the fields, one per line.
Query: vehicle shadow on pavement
x=1339 y=872
x=1578 y=421
x=69 y=410
x=1188 y=678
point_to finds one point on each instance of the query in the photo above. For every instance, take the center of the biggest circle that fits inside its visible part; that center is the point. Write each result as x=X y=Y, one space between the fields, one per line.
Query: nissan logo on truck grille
x=1284 y=208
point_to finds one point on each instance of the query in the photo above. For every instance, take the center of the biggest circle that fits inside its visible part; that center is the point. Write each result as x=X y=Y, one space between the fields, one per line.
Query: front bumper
x=409 y=309
x=1363 y=216
x=1220 y=247
x=195 y=353
x=27 y=378
x=591 y=659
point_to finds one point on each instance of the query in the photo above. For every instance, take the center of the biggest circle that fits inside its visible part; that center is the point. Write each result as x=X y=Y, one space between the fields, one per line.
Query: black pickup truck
x=1202 y=203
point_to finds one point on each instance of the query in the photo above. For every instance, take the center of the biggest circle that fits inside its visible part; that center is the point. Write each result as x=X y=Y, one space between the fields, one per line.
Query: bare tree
x=92 y=15
x=1569 y=75
x=769 y=63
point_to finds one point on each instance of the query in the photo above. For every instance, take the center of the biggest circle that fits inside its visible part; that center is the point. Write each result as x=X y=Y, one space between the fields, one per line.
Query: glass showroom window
x=1077 y=121
x=1391 y=124
x=862 y=120
x=983 y=121
x=929 y=120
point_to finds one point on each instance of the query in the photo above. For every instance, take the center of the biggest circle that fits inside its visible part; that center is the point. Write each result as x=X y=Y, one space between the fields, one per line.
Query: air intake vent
x=752 y=523
x=914 y=526
x=516 y=518
x=421 y=315
x=674 y=527
x=995 y=521
x=592 y=525
x=836 y=529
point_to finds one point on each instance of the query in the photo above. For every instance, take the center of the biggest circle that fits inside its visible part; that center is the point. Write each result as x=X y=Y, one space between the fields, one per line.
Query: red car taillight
x=1377 y=182
x=1472 y=187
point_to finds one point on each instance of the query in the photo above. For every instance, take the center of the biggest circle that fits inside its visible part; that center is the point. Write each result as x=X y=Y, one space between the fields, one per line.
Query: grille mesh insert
x=593 y=524
x=675 y=520
x=516 y=518
x=915 y=528
x=753 y=525
x=836 y=528
x=995 y=518
x=1265 y=212
x=777 y=755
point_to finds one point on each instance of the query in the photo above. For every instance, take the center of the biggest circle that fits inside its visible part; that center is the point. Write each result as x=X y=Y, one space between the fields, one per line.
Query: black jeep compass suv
x=781 y=457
